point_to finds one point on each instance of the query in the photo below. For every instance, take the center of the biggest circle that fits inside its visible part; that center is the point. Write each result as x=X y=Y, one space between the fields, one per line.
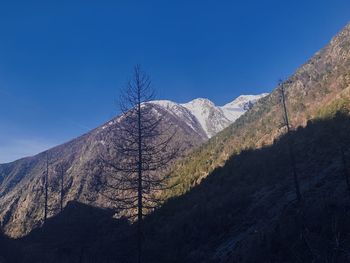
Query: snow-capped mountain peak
x=203 y=115
x=178 y=111
x=204 y=110
x=198 y=102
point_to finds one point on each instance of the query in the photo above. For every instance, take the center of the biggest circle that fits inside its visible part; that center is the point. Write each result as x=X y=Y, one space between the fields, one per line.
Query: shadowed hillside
x=81 y=233
x=246 y=211
x=10 y=250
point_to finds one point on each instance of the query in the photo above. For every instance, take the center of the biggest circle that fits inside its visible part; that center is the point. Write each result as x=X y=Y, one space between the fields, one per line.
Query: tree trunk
x=46 y=187
x=62 y=181
x=290 y=148
x=139 y=189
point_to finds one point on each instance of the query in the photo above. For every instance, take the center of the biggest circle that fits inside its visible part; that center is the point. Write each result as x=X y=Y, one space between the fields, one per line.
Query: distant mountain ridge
x=212 y=118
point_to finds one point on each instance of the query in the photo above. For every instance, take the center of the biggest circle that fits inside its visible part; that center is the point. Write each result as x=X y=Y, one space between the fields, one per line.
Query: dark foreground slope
x=245 y=211
x=81 y=233
x=10 y=250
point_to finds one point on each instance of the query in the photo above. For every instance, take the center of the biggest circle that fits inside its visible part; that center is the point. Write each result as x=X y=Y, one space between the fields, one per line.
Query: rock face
x=21 y=182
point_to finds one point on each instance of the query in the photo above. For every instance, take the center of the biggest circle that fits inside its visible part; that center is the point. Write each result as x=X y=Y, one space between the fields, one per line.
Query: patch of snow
x=179 y=111
x=209 y=116
x=240 y=105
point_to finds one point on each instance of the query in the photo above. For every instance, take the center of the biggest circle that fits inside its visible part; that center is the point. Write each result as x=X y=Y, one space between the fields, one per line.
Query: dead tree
x=141 y=150
x=60 y=171
x=46 y=188
x=289 y=142
x=62 y=189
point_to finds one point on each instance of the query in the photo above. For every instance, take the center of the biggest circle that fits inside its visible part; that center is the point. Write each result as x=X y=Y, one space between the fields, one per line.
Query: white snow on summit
x=240 y=105
x=204 y=110
x=211 y=118
x=181 y=112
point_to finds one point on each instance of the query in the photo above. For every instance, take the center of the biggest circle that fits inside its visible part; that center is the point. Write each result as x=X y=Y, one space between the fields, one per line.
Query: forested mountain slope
x=246 y=211
x=322 y=80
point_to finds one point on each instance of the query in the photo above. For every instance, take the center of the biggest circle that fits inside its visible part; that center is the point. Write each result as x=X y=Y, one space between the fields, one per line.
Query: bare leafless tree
x=141 y=149
x=60 y=171
x=62 y=188
x=289 y=142
x=46 y=188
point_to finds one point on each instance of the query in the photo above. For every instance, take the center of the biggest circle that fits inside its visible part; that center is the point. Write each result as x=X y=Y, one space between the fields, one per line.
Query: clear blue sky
x=63 y=62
